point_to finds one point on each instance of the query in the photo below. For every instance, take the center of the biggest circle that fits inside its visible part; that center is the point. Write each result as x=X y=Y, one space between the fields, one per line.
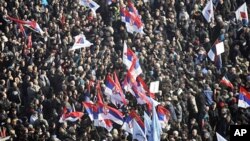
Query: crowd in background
x=36 y=84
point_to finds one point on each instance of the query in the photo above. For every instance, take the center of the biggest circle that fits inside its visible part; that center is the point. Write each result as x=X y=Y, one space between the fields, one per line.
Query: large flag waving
x=244 y=98
x=80 y=42
x=242 y=15
x=132 y=21
x=30 y=24
x=107 y=112
x=92 y=110
x=114 y=92
x=131 y=61
x=208 y=11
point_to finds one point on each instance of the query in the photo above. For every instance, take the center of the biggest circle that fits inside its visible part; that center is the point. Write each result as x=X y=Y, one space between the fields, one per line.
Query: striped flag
x=226 y=82
x=244 y=98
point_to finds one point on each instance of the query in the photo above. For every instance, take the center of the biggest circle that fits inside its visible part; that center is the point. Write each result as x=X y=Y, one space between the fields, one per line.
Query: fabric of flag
x=128 y=123
x=107 y=112
x=30 y=24
x=72 y=116
x=213 y=52
x=156 y=126
x=138 y=133
x=130 y=85
x=216 y=49
x=113 y=92
x=147 y=124
x=143 y=87
x=208 y=11
x=131 y=61
x=22 y=30
x=90 y=4
x=242 y=15
x=226 y=82
x=80 y=42
x=132 y=21
x=219 y=137
x=163 y=115
x=119 y=89
x=244 y=98
x=132 y=8
x=106 y=123
x=92 y=110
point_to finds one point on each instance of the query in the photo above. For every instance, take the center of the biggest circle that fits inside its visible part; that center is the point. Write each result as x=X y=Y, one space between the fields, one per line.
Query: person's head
x=194 y=132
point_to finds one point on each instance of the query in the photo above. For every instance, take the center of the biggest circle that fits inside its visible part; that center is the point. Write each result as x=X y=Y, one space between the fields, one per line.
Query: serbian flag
x=208 y=11
x=30 y=24
x=143 y=87
x=131 y=61
x=128 y=123
x=226 y=82
x=163 y=115
x=244 y=98
x=72 y=116
x=92 y=110
x=80 y=42
x=132 y=21
x=107 y=112
x=132 y=8
x=106 y=123
x=242 y=15
x=114 y=92
x=119 y=88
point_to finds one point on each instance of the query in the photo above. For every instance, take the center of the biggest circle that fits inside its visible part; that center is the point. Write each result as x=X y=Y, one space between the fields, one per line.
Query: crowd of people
x=36 y=84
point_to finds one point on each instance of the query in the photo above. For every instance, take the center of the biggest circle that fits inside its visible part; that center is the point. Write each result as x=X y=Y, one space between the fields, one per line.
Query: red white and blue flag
x=114 y=92
x=80 y=42
x=107 y=112
x=131 y=61
x=106 y=123
x=92 y=110
x=128 y=123
x=132 y=21
x=163 y=115
x=30 y=24
x=244 y=98
x=226 y=82
x=242 y=15
x=72 y=116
